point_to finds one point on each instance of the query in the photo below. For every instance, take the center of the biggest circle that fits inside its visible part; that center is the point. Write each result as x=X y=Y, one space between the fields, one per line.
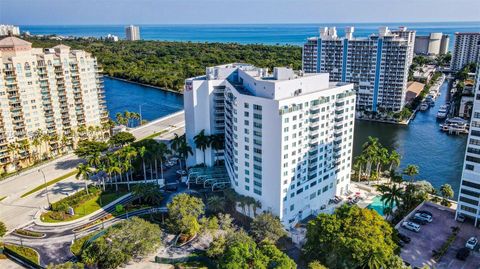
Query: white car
x=411 y=226
x=471 y=243
x=423 y=216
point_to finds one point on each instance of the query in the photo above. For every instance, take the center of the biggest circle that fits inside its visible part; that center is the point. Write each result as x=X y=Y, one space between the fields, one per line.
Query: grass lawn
x=89 y=206
x=26 y=252
x=51 y=182
x=76 y=247
x=153 y=135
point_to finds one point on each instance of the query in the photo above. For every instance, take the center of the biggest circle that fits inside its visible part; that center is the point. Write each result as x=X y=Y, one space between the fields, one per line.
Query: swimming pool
x=378 y=205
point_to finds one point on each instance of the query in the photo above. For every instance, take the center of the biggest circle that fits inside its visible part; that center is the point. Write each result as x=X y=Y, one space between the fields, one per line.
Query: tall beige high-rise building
x=132 y=33
x=48 y=99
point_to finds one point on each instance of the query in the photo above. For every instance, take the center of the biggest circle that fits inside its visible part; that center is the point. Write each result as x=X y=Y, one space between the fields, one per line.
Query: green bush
x=29 y=233
x=26 y=253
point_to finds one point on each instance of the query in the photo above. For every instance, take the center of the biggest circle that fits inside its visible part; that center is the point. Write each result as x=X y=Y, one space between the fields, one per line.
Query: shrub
x=26 y=253
x=29 y=233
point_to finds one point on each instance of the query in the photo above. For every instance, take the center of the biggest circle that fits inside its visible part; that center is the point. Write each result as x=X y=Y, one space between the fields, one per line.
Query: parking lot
x=433 y=235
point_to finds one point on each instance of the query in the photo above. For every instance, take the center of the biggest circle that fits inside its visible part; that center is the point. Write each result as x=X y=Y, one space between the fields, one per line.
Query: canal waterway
x=438 y=155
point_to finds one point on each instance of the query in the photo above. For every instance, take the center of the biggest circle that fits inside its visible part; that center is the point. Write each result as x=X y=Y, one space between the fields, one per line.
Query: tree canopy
x=267 y=227
x=184 y=212
x=352 y=237
x=168 y=64
x=121 y=243
x=121 y=139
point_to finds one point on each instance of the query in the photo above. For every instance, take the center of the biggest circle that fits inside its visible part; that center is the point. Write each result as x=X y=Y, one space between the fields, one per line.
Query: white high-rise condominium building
x=132 y=33
x=6 y=30
x=54 y=91
x=288 y=135
x=469 y=193
x=377 y=65
x=465 y=50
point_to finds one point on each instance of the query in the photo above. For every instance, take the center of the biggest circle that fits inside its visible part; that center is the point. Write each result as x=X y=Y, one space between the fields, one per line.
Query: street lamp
x=45 y=183
x=140 y=110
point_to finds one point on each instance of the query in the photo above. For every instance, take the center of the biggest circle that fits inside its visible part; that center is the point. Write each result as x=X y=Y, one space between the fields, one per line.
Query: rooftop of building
x=13 y=42
x=282 y=83
x=330 y=33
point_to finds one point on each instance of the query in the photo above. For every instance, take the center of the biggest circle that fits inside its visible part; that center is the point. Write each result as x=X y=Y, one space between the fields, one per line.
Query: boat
x=424 y=106
x=442 y=112
x=455 y=126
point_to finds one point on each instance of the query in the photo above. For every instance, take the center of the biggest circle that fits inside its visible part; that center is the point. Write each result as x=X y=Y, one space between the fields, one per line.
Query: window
x=472 y=159
x=468 y=201
x=468 y=209
x=470 y=184
x=245 y=105
x=257 y=107
x=471 y=193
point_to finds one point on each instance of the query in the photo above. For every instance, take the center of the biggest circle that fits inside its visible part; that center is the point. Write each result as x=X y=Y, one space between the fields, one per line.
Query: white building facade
x=132 y=33
x=465 y=50
x=377 y=65
x=54 y=91
x=469 y=193
x=6 y=30
x=288 y=136
x=432 y=44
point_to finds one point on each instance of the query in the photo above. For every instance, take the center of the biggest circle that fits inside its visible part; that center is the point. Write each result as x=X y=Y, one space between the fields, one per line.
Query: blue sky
x=234 y=11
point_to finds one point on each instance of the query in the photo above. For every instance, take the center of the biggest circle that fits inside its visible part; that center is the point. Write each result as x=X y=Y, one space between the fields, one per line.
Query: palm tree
x=411 y=171
x=177 y=141
x=161 y=151
x=129 y=153
x=391 y=195
x=394 y=159
x=141 y=151
x=216 y=203
x=94 y=160
x=202 y=142
x=257 y=204
x=46 y=139
x=149 y=193
x=36 y=144
x=113 y=167
x=217 y=142
x=183 y=151
x=83 y=172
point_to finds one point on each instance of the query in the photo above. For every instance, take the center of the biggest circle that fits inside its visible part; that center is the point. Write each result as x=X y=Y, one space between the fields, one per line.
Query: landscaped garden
x=82 y=203
x=25 y=253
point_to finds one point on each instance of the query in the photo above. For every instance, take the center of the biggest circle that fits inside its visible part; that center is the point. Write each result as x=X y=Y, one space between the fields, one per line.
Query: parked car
x=423 y=216
x=460 y=218
x=462 y=254
x=471 y=243
x=425 y=212
x=404 y=238
x=171 y=187
x=411 y=226
x=418 y=221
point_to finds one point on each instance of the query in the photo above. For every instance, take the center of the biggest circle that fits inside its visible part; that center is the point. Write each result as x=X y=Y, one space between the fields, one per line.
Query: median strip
x=51 y=182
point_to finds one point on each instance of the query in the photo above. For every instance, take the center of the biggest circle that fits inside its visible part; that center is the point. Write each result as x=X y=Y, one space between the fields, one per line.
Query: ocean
x=292 y=34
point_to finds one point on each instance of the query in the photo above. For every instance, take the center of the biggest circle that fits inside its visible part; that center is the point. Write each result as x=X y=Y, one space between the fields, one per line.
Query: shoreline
x=143 y=84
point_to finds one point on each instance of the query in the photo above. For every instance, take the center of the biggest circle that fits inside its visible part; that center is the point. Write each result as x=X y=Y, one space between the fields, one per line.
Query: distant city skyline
x=110 y=12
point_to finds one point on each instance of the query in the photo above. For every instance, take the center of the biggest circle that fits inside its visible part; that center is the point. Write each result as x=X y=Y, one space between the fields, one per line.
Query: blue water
x=155 y=103
x=294 y=34
x=438 y=155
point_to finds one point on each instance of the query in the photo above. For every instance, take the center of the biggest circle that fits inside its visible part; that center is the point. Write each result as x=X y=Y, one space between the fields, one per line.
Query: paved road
x=16 y=211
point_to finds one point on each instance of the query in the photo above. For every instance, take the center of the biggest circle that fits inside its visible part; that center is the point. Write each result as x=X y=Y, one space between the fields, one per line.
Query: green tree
x=349 y=238
x=121 y=139
x=216 y=203
x=217 y=142
x=316 y=265
x=3 y=229
x=391 y=195
x=184 y=212
x=447 y=193
x=267 y=227
x=202 y=142
x=83 y=173
x=148 y=193
x=88 y=148
x=411 y=170
x=121 y=243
